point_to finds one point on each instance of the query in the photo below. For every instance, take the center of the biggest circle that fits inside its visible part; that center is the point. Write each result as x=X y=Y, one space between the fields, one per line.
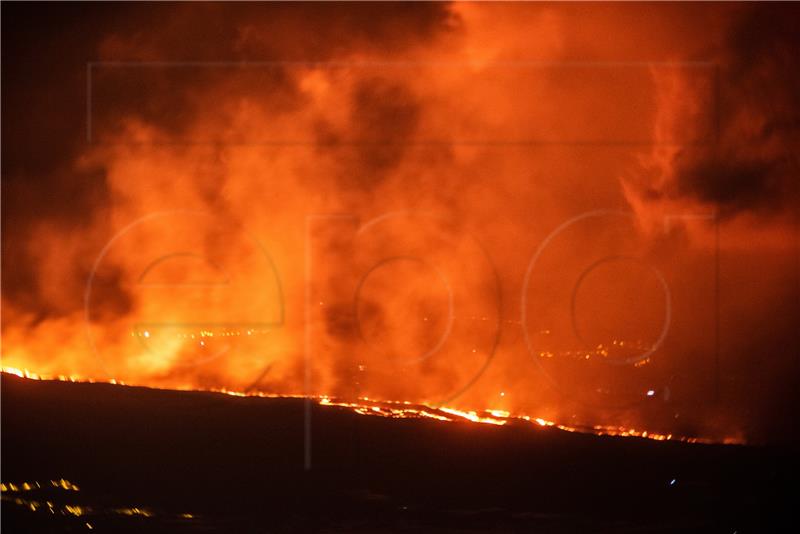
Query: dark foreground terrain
x=146 y=460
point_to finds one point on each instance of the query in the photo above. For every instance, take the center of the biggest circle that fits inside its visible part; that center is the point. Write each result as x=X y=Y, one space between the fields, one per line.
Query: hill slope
x=155 y=460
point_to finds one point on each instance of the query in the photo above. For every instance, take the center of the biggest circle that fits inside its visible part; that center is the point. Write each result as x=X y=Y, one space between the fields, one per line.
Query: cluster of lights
x=65 y=509
x=206 y=333
x=601 y=351
x=30 y=486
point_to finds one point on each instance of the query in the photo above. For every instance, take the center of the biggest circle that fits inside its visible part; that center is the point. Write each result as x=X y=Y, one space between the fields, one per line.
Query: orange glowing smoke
x=485 y=207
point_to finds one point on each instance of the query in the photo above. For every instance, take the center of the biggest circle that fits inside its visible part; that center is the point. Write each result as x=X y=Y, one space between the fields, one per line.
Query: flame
x=462 y=135
x=407 y=410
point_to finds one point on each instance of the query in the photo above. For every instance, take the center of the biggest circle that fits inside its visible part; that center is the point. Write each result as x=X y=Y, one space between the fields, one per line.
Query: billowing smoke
x=743 y=172
x=540 y=208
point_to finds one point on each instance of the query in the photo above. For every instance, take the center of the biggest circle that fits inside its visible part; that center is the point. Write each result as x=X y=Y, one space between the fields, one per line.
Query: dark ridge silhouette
x=167 y=461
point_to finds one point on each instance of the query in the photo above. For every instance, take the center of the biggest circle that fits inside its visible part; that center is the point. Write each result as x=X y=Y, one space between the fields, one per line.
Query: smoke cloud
x=555 y=209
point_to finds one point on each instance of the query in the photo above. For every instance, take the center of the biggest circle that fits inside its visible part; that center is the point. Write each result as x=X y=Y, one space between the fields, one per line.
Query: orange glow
x=407 y=410
x=484 y=210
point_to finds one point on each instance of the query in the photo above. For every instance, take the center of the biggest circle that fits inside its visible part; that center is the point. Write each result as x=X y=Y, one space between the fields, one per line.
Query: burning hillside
x=433 y=211
x=79 y=456
x=580 y=220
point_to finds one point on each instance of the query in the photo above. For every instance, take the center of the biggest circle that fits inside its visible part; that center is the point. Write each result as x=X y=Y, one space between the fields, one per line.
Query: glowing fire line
x=407 y=410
